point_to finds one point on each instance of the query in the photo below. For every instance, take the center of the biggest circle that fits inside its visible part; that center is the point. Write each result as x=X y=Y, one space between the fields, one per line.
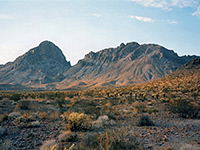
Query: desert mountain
x=42 y=64
x=46 y=66
x=126 y=64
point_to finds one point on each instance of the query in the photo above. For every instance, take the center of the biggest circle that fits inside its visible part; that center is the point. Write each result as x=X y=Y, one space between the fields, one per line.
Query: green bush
x=185 y=109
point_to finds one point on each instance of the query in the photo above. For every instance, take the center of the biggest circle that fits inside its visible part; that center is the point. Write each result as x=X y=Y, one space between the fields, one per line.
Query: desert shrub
x=108 y=105
x=67 y=136
x=89 y=141
x=71 y=94
x=185 y=108
x=31 y=116
x=141 y=107
x=2 y=131
x=48 y=145
x=89 y=93
x=189 y=147
x=6 y=145
x=13 y=115
x=154 y=110
x=3 y=117
x=79 y=121
x=109 y=140
x=116 y=140
x=24 y=105
x=43 y=115
x=145 y=121
x=15 y=97
x=55 y=115
x=165 y=90
x=60 y=101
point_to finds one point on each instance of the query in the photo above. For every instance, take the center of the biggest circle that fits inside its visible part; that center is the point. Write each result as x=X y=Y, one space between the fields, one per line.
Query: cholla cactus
x=79 y=121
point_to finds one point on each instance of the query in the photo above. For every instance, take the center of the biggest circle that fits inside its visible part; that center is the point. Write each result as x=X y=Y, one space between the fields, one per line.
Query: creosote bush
x=3 y=117
x=141 y=107
x=79 y=121
x=60 y=101
x=43 y=115
x=23 y=105
x=15 y=97
x=109 y=140
x=185 y=108
x=145 y=121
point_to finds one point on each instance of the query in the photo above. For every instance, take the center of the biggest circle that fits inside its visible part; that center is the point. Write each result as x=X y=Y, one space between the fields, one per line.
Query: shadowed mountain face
x=43 y=64
x=185 y=79
x=126 y=64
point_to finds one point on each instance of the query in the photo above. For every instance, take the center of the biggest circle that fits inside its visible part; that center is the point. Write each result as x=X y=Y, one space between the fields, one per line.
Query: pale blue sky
x=81 y=26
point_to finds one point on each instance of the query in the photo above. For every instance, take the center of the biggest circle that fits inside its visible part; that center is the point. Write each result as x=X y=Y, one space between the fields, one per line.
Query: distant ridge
x=46 y=67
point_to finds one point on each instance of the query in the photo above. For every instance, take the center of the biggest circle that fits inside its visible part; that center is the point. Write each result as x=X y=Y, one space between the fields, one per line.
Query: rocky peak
x=43 y=62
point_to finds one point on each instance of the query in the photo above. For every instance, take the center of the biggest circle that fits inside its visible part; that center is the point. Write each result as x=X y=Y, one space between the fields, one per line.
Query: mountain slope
x=184 y=82
x=126 y=64
x=46 y=66
x=43 y=64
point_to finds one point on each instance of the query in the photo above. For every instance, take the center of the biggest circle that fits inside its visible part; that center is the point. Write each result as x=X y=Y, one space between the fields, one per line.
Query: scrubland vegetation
x=158 y=115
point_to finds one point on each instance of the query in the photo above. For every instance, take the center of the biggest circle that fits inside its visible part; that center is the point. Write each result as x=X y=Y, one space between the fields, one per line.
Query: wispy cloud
x=167 y=4
x=172 y=21
x=170 y=4
x=183 y=3
x=197 y=12
x=143 y=19
x=6 y=17
x=97 y=15
x=152 y=3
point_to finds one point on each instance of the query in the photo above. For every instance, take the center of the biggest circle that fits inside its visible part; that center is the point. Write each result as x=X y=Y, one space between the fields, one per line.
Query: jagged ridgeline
x=46 y=66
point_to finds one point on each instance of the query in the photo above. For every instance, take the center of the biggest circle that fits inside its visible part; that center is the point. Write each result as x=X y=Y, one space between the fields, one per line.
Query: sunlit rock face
x=42 y=64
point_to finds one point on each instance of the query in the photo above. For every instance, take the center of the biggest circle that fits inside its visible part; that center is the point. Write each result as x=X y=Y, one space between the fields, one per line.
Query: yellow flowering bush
x=79 y=121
